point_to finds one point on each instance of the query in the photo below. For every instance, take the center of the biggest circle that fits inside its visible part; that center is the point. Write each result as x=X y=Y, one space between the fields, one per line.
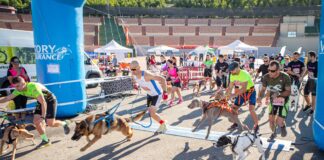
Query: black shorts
x=154 y=100
x=51 y=107
x=176 y=84
x=310 y=87
x=220 y=81
x=207 y=72
x=251 y=65
x=20 y=102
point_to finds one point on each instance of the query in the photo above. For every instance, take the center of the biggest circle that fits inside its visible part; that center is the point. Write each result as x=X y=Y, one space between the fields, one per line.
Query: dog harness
x=222 y=104
x=237 y=138
x=246 y=95
x=10 y=139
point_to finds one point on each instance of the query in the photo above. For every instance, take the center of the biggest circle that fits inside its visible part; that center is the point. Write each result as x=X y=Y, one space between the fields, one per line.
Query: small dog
x=241 y=143
x=197 y=86
x=294 y=97
x=87 y=127
x=12 y=134
x=213 y=113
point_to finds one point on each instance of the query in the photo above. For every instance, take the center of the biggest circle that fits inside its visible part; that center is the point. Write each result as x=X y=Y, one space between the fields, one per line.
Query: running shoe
x=180 y=101
x=272 y=137
x=306 y=108
x=256 y=129
x=171 y=103
x=233 y=126
x=44 y=144
x=283 y=131
x=162 y=128
x=66 y=127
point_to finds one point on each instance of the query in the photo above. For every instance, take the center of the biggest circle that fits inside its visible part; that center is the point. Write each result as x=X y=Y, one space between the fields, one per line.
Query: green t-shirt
x=33 y=90
x=242 y=77
x=209 y=63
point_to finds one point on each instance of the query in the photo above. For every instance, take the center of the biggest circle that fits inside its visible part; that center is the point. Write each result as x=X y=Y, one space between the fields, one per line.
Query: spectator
x=16 y=70
x=111 y=71
x=114 y=60
x=208 y=72
x=196 y=62
x=181 y=59
x=285 y=65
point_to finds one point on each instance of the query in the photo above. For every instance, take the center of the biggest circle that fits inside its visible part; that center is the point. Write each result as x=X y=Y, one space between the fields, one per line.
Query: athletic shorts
x=51 y=107
x=239 y=100
x=207 y=72
x=176 y=84
x=20 y=101
x=251 y=65
x=154 y=101
x=281 y=111
x=220 y=81
x=310 y=87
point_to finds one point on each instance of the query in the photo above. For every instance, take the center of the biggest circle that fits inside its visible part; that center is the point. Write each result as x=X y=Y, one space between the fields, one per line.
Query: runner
x=246 y=92
x=208 y=72
x=221 y=70
x=173 y=75
x=263 y=69
x=148 y=82
x=311 y=82
x=45 y=111
x=296 y=69
x=278 y=83
x=285 y=65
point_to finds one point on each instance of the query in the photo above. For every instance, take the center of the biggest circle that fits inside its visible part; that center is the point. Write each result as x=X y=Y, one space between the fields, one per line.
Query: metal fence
x=203 y=12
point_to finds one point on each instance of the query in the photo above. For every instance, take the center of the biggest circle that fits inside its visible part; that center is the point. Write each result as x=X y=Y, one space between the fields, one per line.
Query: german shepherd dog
x=12 y=134
x=87 y=127
x=213 y=113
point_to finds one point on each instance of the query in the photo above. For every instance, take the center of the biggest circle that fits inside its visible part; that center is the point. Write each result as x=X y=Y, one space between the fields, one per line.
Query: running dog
x=87 y=127
x=241 y=143
x=212 y=113
x=197 y=87
x=12 y=134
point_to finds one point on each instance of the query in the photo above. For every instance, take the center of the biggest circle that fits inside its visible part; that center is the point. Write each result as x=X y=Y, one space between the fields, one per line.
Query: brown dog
x=212 y=113
x=197 y=87
x=87 y=127
x=12 y=134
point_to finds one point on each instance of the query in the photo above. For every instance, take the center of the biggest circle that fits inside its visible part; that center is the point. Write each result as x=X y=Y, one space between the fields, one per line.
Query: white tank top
x=151 y=87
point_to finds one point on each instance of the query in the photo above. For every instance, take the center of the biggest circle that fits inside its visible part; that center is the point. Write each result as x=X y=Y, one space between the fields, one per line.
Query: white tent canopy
x=163 y=48
x=114 y=47
x=17 y=38
x=237 y=45
x=201 y=49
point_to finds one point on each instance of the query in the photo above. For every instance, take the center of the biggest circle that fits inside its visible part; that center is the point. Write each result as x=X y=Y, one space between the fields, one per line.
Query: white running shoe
x=162 y=128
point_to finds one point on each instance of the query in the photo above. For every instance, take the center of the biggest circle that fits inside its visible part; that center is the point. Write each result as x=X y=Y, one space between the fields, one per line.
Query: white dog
x=294 y=97
x=241 y=143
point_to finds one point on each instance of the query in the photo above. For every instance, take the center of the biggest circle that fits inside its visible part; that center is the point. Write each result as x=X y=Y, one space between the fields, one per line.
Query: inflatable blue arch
x=58 y=39
x=318 y=124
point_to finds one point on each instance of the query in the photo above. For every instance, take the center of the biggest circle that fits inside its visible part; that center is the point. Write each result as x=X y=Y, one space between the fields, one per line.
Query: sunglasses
x=272 y=71
x=266 y=61
x=133 y=69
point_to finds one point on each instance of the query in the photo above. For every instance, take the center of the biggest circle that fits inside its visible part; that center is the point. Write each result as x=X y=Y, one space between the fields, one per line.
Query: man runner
x=278 y=83
x=245 y=92
x=148 y=82
x=45 y=111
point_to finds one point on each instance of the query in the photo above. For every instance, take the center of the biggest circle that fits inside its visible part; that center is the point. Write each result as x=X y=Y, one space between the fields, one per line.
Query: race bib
x=279 y=101
x=310 y=74
x=296 y=70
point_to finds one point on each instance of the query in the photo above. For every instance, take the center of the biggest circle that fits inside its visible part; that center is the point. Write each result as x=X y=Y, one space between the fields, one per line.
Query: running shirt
x=242 y=77
x=221 y=67
x=33 y=90
x=312 y=69
x=275 y=85
x=263 y=69
x=251 y=59
x=151 y=87
x=22 y=73
x=173 y=73
x=209 y=64
x=296 y=67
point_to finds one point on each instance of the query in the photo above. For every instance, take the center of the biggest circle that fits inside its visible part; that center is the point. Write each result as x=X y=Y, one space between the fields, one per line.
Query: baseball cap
x=233 y=66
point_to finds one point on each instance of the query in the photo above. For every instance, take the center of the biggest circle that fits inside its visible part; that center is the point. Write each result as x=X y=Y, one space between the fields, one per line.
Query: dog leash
x=131 y=113
x=109 y=115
